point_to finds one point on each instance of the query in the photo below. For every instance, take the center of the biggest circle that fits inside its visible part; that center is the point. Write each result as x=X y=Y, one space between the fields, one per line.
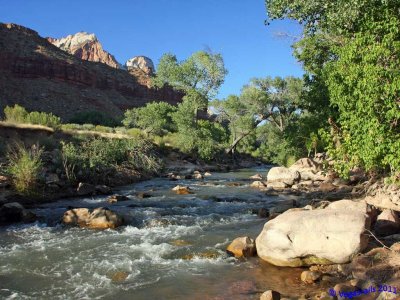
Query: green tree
x=154 y=118
x=274 y=100
x=350 y=51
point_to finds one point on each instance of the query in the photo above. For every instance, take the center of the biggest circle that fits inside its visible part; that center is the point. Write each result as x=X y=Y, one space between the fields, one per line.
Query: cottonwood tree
x=273 y=100
x=351 y=55
x=154 y=118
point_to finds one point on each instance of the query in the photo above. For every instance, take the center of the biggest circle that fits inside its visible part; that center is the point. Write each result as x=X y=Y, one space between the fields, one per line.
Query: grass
x=24 y=168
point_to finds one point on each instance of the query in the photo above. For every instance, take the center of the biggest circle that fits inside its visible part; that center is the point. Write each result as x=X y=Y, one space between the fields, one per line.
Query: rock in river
x=182 y=190
x=307 y=237
x=14 y=212
x=99 y=218
x=242 y=247
x=283 y=175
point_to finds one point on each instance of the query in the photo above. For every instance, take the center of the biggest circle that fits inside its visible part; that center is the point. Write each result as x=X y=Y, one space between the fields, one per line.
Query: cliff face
x=86 y=47
x=40 y=76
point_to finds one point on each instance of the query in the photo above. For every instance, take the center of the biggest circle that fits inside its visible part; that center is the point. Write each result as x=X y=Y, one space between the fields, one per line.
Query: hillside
x=39 y=76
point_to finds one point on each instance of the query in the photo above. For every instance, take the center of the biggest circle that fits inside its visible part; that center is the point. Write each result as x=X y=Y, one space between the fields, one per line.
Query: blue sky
x=126 y=28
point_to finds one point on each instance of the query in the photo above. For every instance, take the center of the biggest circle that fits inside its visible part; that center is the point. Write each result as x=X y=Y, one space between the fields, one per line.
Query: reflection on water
x=172 y=248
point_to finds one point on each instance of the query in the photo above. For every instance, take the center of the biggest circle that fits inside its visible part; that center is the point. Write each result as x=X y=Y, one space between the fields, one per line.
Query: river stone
x=303 y=238
x=256 y=177
x=387 y=223
x=99 y=218
x=103 y=189
x=310 y=277
x=270 y=295
x=182 y=190
x=257 y=184
x=14 y=212
x=85 y=189
x=284 y=175
x=242 y=247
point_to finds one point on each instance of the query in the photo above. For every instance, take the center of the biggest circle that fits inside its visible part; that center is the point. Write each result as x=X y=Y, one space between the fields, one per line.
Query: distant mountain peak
x=85 y=46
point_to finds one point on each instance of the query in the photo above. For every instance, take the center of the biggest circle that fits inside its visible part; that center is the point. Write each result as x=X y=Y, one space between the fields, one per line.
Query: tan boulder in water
x=99 y=218
x=242 y=247
x=307 y=237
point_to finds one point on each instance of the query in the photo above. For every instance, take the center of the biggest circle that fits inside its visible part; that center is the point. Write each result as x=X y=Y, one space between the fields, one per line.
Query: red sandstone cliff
x=86 y=47
x=38 y=75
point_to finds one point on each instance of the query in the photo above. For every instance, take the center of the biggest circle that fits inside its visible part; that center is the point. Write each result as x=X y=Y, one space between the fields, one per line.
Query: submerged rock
x=182 y=190
x=242 y=247
x=99 y=218
x=117 y=198
x=307 y=237
x=119 y=276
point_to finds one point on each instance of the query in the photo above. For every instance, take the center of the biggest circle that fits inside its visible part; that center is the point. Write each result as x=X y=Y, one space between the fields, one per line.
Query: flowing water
x=172 y=248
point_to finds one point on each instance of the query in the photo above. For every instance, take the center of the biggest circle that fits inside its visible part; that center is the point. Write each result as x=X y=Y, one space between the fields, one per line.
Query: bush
x=100 y=128
x=18 y=114
x=95 y=118
x=91 y=158
x=24 y=167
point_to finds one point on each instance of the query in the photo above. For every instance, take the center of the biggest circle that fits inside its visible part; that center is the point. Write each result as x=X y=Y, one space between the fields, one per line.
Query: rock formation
x=142 y=63
x=39 y=76
x=85 y=46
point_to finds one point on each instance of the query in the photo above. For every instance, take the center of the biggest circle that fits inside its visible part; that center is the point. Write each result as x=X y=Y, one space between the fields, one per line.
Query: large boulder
x=307 y=237
x=99 y=218
x=282 y=175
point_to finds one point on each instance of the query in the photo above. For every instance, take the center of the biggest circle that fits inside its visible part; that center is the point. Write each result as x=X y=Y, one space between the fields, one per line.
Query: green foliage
x=93 y=157
x=276 y=147
x=154 y=118
x=24 y=166
x=202 y=72
x=364 y=83
x=95 y=118
x=265 y=100
x=18 y=114
x=350 y=51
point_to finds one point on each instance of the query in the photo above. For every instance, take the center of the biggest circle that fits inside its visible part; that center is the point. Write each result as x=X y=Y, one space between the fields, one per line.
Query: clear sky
x=128 y=28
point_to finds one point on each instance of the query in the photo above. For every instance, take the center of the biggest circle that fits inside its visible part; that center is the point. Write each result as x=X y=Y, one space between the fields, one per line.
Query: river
x=172 y=248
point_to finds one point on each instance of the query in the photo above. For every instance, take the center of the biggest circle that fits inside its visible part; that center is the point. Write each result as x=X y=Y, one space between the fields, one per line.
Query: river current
x=172 y=248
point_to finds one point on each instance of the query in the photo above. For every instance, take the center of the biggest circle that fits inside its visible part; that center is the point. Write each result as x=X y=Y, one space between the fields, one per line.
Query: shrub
x=24 y=167
x=18 y=114
x=100 y=128
x=87 y=126
x=91 y=158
